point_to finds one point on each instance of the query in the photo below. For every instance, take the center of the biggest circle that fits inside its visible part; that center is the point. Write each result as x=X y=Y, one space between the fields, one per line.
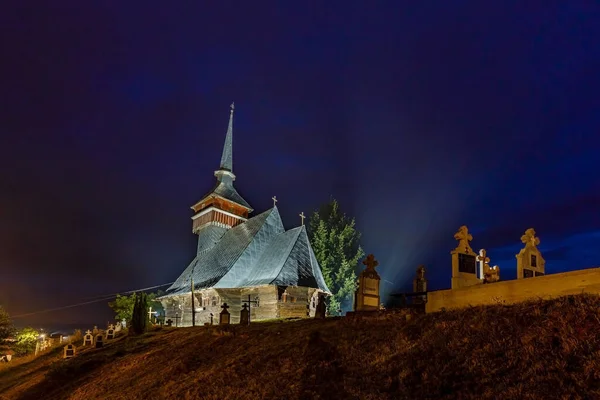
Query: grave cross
x=88 y=332
x=530 y=238
x=274 y=198
x=483 y=260
x=177 y=318
x=302 y=217
x=370 y=262
x=150 y=313
x=249 y=302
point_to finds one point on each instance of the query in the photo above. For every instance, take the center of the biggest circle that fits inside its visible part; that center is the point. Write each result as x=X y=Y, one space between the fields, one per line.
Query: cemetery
x=373 y=352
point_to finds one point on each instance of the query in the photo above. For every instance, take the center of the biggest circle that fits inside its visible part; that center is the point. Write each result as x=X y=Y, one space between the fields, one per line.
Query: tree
x=26 y=341
x=6 y=326
x=336 y=244
x=139 y=318
x=123 y=305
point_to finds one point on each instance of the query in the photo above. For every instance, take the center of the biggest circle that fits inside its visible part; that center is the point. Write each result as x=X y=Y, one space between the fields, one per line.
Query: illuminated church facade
x=241 y=258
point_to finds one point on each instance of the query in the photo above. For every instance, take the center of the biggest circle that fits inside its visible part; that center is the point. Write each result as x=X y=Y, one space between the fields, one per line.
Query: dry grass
x=534 y=350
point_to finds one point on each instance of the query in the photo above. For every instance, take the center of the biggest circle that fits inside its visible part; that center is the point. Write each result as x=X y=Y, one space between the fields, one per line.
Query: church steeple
x=227 y=156
x=223 y=206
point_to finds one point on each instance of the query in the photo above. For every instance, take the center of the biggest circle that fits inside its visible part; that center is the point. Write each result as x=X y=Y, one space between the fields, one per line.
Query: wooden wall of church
x=296 y=303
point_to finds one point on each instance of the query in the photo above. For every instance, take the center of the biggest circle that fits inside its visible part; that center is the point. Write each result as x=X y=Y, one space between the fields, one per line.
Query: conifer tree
x=139 y=319
x=6 y=326
x=336 y=243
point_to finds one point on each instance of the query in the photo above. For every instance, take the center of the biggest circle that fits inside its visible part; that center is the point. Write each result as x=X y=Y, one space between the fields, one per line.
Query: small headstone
x=99 y=341
x=95 y=331
x=118 y=327
x=69 y=351
x=420 y=285
x=367 y=294
x=321 y=308
x=124 y=323
x=88 y=339
x=244 y=316
x=224 y=317
x=170 y=322
x=110 y=334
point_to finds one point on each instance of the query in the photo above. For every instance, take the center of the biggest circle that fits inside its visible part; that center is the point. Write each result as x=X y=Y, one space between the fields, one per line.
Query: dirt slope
x=536 y=350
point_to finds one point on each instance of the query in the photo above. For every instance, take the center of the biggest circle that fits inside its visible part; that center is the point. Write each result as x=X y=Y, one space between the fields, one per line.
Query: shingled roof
x=255 y=253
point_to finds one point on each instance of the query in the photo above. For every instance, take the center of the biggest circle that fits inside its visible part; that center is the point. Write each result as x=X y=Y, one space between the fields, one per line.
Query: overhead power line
x=105 y=298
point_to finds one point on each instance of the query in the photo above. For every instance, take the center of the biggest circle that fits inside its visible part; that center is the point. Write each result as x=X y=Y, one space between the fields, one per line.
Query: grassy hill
x=535 y=350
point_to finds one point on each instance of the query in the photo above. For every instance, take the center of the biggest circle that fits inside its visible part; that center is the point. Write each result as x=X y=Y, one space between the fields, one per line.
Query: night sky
x=417 y=116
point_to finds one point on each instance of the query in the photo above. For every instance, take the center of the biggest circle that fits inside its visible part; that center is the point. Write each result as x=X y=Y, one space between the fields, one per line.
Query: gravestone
x=464 y=270
x=88 y=338
x=169 y=322
x=488 y=274
x=110 y=332
x=244 y=315
x=124 y=323
x=530 y=262
x=224 y=317
x=95 y=331
x=420 y=285
x=321 y=307
x=118 y=327
x=69 y=351
x=99 y=341
x=367 y=295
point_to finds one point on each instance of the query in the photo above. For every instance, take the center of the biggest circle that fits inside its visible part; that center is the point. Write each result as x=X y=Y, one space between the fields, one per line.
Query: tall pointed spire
x=227 y=157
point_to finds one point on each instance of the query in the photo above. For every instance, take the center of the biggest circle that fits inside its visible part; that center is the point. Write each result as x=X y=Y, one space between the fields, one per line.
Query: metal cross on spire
x=302 y=217
x=274 y=198
x=232 y=106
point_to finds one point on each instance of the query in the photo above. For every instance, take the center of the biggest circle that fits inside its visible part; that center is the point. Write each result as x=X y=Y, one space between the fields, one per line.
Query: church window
x=533 y=260
x=257 y=300
x=214 y=300
x=205 y=301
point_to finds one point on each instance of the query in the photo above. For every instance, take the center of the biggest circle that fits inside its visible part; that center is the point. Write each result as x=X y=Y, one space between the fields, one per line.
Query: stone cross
x=370 y=262
x=274 y=198
x=150 y=313
x=529 y=238
x=111 y=326
x=88 y=332
x=483 y=260
x=302 y=217
x=464 y=237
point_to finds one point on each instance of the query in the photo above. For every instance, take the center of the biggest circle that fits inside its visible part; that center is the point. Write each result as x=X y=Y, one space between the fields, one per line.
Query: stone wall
x=574 y=282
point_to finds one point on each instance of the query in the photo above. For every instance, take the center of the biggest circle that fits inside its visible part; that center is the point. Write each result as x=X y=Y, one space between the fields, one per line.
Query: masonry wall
x=586 y=281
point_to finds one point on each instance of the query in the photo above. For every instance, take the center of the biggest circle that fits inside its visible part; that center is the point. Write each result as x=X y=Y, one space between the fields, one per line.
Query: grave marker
x=420 y=285
x=99 y=341
x=244 y=315
x=367 y=295
x=321 y=307
x=224 y=317
x=69 y=351
x=110 y=332
x=464 y=271
x=530 y=262
x=249 y=302
x=88 y=339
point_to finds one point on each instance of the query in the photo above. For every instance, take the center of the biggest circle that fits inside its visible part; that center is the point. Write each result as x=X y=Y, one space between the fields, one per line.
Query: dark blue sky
x=418 y=116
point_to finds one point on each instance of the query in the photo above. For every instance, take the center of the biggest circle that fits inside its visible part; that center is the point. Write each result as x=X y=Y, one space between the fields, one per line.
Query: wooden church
x=243 y=259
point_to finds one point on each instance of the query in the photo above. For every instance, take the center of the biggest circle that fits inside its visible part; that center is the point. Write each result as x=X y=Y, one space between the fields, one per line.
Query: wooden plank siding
x=301 y=303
